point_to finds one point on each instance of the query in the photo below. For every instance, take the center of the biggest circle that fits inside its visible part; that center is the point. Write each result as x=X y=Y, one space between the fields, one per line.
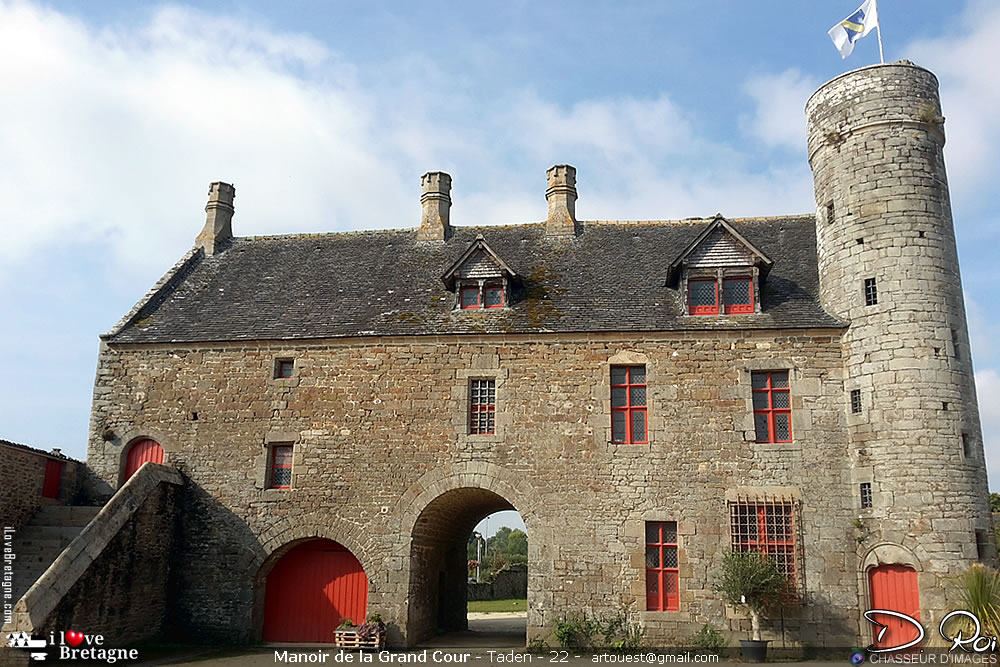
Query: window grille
x=703 y=297
x=482 y=401
x=770 y=527
x=855 y=401
x=866 y=495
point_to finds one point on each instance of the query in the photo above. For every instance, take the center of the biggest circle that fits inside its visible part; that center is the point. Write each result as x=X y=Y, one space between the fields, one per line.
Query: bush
x=979 y=590
x=709 y=639
x=585 y=632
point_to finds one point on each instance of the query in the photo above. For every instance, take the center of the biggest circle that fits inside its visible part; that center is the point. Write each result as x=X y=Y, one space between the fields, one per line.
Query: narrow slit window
x=957 y=351
x=829 y=213
x=855 y=401
x=866 y=495
x=871 y=292
x=966 y=446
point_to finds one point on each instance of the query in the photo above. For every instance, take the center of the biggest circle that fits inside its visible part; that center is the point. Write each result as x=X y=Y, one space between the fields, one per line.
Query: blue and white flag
x=854 y=27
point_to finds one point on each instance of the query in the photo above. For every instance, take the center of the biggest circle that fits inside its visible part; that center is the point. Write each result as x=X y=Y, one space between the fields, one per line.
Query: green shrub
x=709 y=639
x=979 y=590
x=585 y=632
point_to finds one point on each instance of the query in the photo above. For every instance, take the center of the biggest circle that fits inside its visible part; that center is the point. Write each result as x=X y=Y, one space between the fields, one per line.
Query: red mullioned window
x=470 y=298
x=737 y=295
x=280 y=473
x=493 y=295
x=703 y=297
x=482 y=406
x=772 y=407
x=661 y=566
x=628 y=404
x=767 y=526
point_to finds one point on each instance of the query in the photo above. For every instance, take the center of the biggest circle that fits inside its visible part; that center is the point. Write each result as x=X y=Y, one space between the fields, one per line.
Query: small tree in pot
x=752 y=580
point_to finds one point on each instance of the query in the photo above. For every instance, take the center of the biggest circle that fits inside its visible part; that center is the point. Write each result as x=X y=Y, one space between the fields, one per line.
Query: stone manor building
x=334 y=413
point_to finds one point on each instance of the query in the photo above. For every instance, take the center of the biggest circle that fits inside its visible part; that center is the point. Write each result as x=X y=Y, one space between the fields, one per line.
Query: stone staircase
x=38 y=543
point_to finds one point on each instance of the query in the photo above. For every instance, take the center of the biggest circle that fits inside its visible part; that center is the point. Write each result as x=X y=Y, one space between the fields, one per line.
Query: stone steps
x=46 y=535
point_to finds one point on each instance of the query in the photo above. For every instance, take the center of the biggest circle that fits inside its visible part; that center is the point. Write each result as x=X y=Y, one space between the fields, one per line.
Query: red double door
x=311 y=590
x=894 y=588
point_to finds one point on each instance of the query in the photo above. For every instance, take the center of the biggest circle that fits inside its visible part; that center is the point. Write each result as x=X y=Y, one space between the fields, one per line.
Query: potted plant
x=752 y=580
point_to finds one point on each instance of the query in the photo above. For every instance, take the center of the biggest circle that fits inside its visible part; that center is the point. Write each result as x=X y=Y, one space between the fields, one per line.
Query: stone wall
x=115 y=578
x=383 y=464
x=505 y=585
x=22 y=475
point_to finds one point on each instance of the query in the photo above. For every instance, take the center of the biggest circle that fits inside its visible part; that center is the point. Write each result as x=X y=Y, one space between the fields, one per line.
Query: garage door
x=310 y=590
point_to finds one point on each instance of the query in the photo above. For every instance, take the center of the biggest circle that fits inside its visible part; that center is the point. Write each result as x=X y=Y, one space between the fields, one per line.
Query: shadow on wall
x=508 y=584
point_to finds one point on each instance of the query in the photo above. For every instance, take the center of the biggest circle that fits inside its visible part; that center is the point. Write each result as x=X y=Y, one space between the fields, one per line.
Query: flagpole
x=879 y=28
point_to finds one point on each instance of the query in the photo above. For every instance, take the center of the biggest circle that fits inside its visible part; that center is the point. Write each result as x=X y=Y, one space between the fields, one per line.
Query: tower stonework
x=888 y=266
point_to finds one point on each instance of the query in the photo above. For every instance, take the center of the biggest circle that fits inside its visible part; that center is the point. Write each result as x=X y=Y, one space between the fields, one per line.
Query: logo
x=71 y=645
x=857 y=658
x=975 y=642
x=24 y=640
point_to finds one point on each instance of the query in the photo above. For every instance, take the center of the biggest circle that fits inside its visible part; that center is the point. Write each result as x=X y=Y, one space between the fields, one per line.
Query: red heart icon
x=74 y=638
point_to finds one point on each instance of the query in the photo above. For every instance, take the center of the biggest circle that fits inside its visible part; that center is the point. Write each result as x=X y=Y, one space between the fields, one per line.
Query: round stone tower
x=888 y=266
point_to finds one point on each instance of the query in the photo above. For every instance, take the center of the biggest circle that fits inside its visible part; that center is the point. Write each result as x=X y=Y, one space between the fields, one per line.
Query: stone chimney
x=561 y=194
x=218 y=230
x=435 y=224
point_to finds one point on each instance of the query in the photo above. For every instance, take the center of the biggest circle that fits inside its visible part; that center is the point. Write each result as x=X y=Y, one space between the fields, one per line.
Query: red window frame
x=768 y=527
x=738 y=308
x=274 y=466
x=662 y=582
x=770 y=411
x=283 y=368
x=630 y=408
x=461 y=298
x=491 y=287
x=703 y=310
x=482 y=407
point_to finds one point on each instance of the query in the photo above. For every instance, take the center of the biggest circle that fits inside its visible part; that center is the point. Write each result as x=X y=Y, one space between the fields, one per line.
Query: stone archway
x=440 y=512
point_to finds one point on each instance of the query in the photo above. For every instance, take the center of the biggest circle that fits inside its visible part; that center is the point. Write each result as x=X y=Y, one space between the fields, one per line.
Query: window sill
x=275 y=494
x=777 y=447
x=623 y=449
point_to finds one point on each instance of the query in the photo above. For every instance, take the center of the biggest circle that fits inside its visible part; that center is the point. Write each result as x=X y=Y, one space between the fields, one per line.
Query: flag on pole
x=854 y=27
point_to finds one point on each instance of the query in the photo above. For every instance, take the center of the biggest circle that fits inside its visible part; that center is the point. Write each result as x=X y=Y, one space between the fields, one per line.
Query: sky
x=115 y=117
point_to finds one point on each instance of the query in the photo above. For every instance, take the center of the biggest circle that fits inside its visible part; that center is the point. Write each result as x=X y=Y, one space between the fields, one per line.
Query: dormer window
x=482 y=294
x=480 y=279
x=720 y=272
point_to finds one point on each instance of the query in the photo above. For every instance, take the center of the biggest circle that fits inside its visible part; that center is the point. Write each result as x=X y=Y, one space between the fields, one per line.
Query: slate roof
x=611 y=277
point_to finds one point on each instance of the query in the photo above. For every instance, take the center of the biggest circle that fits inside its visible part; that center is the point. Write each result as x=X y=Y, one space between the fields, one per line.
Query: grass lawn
x=498 y=605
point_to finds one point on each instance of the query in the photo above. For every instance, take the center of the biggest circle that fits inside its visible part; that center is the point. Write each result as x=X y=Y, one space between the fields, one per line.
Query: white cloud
x=988 y=393
x=779 y=119
x=970 y=94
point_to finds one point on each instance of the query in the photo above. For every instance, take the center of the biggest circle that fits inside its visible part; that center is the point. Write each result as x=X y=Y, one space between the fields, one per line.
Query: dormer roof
x=478 y=261
x=719 y=245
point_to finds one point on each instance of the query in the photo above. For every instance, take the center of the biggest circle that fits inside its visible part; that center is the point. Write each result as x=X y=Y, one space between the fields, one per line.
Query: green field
x=498 y=605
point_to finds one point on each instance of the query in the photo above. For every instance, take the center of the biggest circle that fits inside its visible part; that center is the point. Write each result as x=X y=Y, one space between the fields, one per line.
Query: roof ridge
x=396 y=230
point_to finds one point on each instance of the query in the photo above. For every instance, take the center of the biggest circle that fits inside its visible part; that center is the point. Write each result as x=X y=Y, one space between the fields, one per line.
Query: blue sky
x=116 y=116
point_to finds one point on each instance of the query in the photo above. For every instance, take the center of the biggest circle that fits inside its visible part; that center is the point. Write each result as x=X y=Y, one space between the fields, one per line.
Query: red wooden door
x=140 y=452
x=310 y=590
x=53 y=475
x=894 y=587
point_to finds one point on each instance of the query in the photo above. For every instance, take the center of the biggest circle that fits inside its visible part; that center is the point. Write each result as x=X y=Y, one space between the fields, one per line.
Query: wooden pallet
x=350 y=639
